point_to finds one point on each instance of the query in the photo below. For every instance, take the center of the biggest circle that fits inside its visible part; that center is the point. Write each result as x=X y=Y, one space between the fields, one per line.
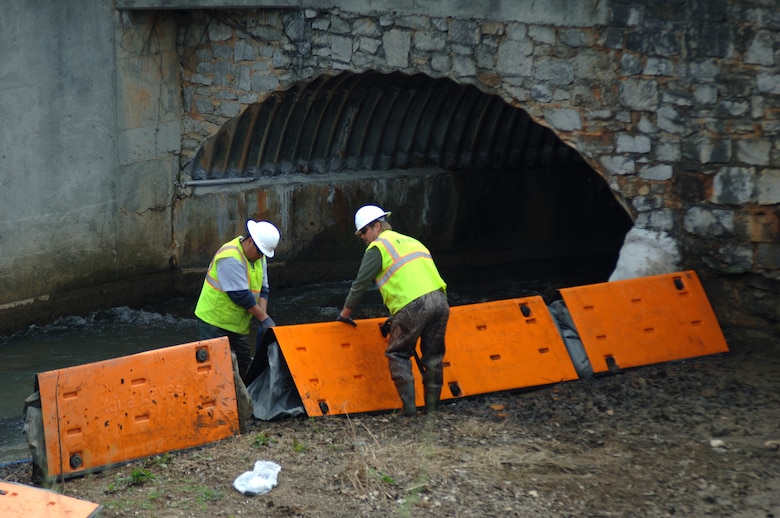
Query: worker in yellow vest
x=236 y=289
x=416 y=297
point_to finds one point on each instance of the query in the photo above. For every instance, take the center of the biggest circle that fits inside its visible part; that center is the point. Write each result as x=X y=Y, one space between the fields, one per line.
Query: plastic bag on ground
x=260 y=480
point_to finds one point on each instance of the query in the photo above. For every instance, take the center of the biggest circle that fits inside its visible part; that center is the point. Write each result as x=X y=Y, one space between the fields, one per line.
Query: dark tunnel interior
x=507 y=191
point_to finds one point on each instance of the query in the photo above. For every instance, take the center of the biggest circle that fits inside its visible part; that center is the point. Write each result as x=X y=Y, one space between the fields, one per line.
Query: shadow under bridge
x=497 y=188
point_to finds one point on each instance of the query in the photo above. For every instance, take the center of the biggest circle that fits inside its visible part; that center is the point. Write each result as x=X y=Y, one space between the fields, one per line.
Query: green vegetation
x=262 y=439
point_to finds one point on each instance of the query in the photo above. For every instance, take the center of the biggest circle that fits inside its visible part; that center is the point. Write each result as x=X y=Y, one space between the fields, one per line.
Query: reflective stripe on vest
x=214 y=305
x=211 y=275
x=408 y=270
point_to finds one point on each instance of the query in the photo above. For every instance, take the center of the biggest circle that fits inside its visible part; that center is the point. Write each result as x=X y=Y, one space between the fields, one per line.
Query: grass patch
x=298 y=447
x=262 y=439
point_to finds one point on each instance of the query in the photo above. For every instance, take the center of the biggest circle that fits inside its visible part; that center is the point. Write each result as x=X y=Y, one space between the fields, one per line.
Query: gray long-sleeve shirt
x=370 y=266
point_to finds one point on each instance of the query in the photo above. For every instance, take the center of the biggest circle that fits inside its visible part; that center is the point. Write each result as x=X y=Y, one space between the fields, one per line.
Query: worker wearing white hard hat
x=236 y=289
x=415 y=295
x=368 y=214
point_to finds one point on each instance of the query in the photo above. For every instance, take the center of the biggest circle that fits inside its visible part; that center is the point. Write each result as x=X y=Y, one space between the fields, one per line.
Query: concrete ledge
x=571 y=13
x=151 y=5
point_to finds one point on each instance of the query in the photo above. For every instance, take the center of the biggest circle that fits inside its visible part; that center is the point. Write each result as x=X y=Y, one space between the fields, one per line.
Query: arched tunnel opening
x=483 y=185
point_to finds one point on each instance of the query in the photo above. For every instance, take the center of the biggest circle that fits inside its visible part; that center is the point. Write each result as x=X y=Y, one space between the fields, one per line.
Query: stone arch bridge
x=673 y=104
x=562 y=132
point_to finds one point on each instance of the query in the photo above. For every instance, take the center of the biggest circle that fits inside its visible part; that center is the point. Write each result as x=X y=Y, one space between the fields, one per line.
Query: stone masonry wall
x=676 y=104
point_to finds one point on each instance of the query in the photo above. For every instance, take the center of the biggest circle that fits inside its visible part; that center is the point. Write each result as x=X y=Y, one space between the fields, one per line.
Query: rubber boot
x=432 y=397
x=406 y=391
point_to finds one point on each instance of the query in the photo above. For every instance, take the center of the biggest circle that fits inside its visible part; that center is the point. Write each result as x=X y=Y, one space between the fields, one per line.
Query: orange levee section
x=136 y=406
x=26 y=501
x=338 y=369
x=493 y=346
x=504 y=345
x=642 y=321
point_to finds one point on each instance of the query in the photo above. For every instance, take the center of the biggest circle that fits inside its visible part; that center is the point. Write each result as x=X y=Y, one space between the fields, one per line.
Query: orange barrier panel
x=338 y=369
x=634 y=322
x=136 y=406
x=493 y=346
x=503 y=345
x=17 y=500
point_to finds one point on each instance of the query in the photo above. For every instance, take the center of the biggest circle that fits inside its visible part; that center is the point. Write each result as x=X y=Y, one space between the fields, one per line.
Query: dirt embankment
x=691 y=438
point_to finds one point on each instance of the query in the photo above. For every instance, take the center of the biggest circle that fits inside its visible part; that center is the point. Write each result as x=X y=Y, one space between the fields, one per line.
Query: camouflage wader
x=424 y=318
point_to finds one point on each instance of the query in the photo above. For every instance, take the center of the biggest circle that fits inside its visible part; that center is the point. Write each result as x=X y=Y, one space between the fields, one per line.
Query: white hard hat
x=264 y=234
x=368 y=214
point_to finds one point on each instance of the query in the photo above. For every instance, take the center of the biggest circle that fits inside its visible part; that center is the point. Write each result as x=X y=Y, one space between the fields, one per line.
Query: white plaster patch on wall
x=646 y=252
x=285 y=194
x=425 y=210
x=380 y=192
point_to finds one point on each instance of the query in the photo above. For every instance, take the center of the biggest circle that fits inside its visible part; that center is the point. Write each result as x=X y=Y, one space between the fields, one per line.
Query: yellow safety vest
x=214 y=305
x=408 y=271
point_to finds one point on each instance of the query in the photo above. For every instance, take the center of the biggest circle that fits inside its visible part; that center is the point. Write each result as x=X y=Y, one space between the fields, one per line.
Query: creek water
x=122 y=331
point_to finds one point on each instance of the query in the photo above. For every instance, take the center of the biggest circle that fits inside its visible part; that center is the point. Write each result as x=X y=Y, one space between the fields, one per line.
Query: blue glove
x=347 y=320
x=266 y=324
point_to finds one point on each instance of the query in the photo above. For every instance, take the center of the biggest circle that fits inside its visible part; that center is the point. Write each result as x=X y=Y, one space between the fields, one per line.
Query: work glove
x=347 y=320
x=384 y=327
x=266 y=324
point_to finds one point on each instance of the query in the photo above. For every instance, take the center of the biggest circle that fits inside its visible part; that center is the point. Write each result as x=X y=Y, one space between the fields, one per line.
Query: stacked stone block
x=675 y=104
